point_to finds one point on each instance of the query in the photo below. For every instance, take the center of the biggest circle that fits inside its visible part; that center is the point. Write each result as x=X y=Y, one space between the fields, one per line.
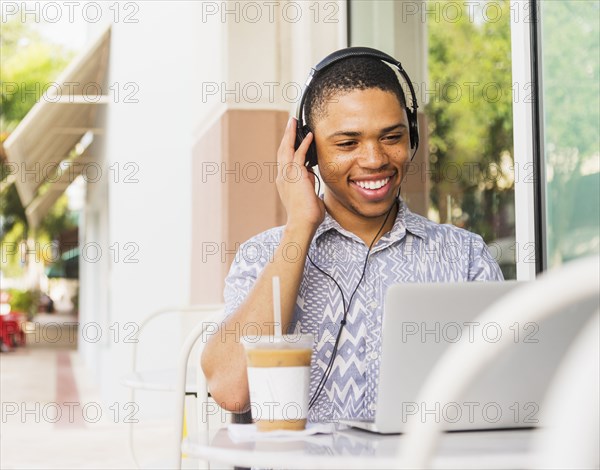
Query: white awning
x=58 y=182
x=48 y=134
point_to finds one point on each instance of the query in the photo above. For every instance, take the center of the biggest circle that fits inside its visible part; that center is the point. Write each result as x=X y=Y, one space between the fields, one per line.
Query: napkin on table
x=248 y=432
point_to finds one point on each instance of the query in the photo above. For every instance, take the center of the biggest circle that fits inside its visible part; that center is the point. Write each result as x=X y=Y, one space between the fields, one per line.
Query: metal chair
x=183 y=379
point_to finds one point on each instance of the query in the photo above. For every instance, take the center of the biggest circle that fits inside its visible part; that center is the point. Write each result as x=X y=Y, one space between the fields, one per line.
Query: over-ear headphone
x=302 y=129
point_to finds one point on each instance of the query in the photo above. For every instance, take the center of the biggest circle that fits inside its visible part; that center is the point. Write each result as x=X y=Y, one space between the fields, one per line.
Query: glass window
x=570 y=114
x=466 y=93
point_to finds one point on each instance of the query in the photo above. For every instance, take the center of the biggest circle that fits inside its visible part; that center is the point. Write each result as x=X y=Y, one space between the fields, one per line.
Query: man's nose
x=374 y=156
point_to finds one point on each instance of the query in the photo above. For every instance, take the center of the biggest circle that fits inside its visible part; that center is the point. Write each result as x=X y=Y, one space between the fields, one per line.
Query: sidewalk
x=49 y=410
x=52 y=330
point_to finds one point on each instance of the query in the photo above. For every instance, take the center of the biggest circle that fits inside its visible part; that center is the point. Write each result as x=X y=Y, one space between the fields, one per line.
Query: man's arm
x=223 y=359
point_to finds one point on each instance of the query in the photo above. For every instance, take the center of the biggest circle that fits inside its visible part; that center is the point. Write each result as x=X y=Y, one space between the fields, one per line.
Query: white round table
x=355 y=449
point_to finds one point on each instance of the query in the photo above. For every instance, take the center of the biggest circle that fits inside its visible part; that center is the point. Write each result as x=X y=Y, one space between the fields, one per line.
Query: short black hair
x=344 y=76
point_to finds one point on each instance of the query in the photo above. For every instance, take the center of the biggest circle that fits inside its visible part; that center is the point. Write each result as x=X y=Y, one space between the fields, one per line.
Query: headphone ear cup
x=413 y=128
x=311 y=153
x=299 y=136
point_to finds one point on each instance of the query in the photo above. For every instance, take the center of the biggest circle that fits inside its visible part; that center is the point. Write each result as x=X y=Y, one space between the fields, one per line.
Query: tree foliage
x=470 y=116
x=28 y=64
x=571 y=93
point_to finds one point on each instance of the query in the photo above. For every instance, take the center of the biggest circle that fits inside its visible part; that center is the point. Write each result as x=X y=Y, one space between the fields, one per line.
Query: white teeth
x=373 y=184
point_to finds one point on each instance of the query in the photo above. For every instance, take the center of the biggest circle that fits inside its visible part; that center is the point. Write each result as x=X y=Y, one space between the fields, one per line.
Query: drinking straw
x=277 y=306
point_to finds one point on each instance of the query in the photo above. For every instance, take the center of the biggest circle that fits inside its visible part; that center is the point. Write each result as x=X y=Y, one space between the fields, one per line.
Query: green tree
x=571 y=92
x=28 y=63
x=470 y=119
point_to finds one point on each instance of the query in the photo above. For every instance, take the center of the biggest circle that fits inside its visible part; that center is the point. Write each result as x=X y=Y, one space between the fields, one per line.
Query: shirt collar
x=405 y=221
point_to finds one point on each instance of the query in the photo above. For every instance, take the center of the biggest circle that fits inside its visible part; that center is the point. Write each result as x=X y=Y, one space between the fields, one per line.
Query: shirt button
x=372 y=407
x=373 y=305
x=373 y=355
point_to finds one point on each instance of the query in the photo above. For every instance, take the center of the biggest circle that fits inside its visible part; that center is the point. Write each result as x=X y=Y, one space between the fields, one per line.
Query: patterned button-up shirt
x=414 y=250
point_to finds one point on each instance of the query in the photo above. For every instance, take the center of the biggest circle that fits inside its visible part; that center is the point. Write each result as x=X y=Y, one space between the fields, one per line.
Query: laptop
x=421 y=321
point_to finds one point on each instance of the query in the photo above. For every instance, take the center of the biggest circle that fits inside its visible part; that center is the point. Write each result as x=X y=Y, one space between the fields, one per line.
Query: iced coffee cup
x=278 y=378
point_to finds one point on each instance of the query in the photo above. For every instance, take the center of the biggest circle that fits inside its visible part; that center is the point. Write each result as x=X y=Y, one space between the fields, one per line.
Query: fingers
x=300 y=155
x=285 y=153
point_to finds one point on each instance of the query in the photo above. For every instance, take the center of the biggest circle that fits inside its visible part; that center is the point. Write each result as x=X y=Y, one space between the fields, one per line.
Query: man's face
x=363 y=149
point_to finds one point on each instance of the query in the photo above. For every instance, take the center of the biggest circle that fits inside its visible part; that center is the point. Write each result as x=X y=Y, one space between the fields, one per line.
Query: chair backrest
x=202 y=316
x=199 y=332
x=178 y=328
x=572 y=407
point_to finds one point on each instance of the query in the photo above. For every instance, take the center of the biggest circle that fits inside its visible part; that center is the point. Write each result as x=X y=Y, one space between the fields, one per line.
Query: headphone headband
x=302 y=130
x=355 y=52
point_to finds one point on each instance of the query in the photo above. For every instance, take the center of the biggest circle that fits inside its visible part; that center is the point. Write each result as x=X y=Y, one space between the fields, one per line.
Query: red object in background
x=11 y=329
x=4 y=336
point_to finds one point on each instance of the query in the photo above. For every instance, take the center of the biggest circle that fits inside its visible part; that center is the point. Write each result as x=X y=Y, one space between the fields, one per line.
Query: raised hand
x=295 y=184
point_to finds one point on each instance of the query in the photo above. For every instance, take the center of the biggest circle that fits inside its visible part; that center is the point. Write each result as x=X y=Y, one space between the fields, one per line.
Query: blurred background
x=139 y=141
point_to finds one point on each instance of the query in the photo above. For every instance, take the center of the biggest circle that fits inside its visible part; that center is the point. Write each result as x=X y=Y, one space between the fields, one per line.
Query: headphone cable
x=329 y=368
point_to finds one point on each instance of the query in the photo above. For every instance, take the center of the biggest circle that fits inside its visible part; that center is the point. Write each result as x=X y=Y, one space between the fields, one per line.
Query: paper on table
x=248 y=432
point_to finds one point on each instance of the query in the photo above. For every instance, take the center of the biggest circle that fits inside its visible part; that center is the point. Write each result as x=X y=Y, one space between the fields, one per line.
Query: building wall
x=140 y=212
x=234 y=193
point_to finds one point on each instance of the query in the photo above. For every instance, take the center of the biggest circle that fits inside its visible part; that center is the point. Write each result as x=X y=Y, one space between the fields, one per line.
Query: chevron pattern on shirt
x=414 y=250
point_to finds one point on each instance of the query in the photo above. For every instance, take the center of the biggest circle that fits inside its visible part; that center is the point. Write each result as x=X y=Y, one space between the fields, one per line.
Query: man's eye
x=393 y=137
x=347 y=143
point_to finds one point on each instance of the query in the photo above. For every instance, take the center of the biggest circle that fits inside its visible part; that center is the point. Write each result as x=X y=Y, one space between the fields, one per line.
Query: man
x=336 y=256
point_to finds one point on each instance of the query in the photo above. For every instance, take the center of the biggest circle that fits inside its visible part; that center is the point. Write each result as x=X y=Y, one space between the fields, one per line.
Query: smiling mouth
x=377 y=184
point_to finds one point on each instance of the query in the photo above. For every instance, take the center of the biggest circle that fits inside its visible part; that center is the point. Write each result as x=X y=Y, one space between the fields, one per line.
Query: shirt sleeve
x=249 y=261
x=482 y=265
